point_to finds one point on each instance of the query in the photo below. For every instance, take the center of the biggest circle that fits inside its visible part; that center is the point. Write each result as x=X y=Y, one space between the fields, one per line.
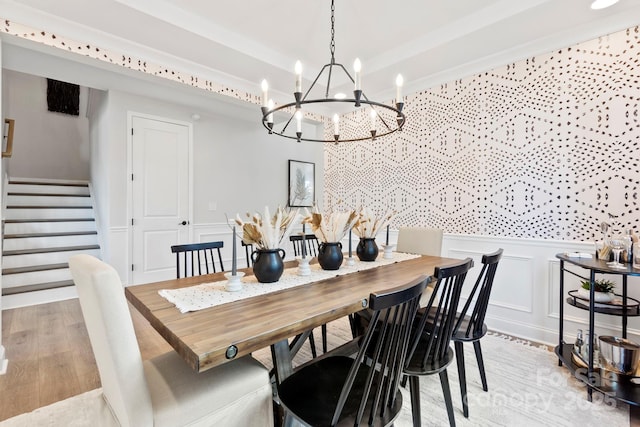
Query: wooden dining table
x=216 y=335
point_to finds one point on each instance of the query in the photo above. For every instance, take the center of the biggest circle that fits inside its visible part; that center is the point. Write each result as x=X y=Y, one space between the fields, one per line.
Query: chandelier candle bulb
x=373 y=119
x=399 y=83
x=298 y=70
x=298 y=121
x=270 y=106
x=265 y=93
x=357 y=67
x=336 y=124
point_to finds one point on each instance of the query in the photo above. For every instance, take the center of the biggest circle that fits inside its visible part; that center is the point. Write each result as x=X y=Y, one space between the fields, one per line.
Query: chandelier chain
x=332 y=46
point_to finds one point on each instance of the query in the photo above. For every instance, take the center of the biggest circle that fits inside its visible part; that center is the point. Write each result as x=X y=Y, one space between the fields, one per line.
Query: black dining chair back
x=248 y=250
x=195 y=259
x=430 y=351
x=470 y=326
x=341 y=390
x=310 y=242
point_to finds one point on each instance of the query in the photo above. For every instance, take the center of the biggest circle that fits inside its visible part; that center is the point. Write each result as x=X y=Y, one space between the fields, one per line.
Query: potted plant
x=603 y=290
x=330 y=229
x=266 y=233
x=367 y=227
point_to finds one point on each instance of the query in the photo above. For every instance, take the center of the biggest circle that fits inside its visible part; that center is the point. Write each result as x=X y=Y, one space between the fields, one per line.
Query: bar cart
x=622 y=388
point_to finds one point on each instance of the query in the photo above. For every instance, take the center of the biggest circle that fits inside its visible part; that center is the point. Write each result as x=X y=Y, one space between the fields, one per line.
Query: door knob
x=183 y=223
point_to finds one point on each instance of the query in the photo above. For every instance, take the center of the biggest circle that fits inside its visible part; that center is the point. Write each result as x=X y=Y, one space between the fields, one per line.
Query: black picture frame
x=302 y=184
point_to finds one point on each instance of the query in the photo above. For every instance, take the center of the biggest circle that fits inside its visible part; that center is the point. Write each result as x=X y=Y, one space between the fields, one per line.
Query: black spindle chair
x=311 y=244
x=470 y=327
x=248 y=249
x=340 y=390
x=195 y=259
x=310 y=241
x=431 y=352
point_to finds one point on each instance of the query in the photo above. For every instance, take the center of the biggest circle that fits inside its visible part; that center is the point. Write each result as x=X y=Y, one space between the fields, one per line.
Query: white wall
x=3 y=360
x=46 y=144
x=237 y=167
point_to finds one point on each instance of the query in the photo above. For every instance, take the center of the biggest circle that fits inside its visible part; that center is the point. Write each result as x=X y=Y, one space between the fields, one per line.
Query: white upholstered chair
x=163 y=391
x=420 y=240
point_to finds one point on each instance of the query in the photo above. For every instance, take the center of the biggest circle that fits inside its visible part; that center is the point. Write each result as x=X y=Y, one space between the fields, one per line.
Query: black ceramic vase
x=330 y=255
x=367 y=250
x=267 y=264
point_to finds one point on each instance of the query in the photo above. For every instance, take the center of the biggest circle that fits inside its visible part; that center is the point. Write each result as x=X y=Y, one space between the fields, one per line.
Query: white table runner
x=207 y=295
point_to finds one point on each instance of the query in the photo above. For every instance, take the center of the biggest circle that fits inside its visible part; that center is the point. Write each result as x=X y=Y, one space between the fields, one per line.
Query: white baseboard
x=38 y=297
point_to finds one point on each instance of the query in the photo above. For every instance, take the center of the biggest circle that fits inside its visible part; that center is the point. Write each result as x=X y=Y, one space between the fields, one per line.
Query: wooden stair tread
x=49 y=250
x=62 y=184
x=55 y=234
x=11 y=193
x=21 y=221
x=37 y=287
x=34 y=268
x=47 y=207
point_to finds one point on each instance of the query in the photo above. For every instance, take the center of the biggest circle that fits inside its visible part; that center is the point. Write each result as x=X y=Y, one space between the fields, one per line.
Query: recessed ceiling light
x=601 y=4
x=340 y=95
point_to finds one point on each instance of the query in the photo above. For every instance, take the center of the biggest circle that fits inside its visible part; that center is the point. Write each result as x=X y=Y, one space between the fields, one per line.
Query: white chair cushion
x=181 y=396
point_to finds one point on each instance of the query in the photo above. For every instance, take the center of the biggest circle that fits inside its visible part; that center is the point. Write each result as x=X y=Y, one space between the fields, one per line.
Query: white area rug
x=526 y=388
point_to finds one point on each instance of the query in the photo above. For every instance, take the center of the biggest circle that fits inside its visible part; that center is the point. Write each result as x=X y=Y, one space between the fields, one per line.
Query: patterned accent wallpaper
x=546 y=148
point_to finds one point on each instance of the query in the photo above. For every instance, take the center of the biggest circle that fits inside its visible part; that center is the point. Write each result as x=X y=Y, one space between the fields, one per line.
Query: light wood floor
x=50 y=357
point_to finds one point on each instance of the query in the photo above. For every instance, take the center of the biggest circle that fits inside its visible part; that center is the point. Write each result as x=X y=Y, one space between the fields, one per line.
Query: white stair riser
x=49 y=227
x=46 y=189
x=48 y=201
x=35 y=277
x=48 y=213
x=49 y=242
x=29 y=260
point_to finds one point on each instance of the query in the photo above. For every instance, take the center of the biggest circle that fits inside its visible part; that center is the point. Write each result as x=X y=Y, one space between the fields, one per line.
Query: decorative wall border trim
x=123 y=59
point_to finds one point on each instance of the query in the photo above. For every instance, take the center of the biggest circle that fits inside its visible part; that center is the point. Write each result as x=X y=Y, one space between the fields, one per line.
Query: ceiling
x=238 y=43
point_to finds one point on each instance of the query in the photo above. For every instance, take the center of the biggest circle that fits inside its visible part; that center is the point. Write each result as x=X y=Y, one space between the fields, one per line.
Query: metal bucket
x=619 y=355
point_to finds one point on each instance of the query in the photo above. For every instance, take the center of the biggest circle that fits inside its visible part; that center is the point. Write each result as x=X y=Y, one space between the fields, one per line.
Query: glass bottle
x=636 y=255
x=626 y=256
x=579 y=344
x=596 y=350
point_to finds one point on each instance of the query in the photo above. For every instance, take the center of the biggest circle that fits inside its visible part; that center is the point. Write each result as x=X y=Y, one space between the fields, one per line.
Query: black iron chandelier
x=385 y=119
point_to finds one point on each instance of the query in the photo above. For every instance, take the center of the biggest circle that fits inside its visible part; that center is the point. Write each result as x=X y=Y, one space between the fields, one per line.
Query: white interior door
x=160 y=190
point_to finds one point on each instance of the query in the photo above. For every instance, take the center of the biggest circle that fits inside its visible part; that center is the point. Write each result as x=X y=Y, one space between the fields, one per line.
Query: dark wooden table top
x=203 y=337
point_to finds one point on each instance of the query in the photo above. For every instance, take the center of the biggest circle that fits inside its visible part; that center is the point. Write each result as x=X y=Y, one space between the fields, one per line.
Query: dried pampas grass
x=268 y=232
x=368 y=224
x=331 y=227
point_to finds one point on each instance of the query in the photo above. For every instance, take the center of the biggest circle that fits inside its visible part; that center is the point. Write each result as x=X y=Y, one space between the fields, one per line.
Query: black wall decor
x=63 y=97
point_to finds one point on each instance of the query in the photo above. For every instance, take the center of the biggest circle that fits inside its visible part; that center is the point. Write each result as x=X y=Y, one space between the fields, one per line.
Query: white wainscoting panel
x=526 y=297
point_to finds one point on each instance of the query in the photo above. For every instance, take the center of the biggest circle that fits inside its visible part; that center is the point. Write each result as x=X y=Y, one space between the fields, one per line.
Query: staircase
x=46 y=222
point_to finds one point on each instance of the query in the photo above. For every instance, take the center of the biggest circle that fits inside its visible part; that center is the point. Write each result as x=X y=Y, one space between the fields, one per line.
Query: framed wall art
x=302 y=183
x=7 y=138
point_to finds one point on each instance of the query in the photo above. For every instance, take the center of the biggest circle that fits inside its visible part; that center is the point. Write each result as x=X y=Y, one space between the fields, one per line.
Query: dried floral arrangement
x=330 y=227
x=369 y=224
x=268 y=232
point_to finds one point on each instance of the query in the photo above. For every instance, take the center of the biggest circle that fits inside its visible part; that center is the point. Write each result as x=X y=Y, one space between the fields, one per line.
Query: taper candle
x=234 y=264
x=304 y=242
x=349 y=243
x=387 y=235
